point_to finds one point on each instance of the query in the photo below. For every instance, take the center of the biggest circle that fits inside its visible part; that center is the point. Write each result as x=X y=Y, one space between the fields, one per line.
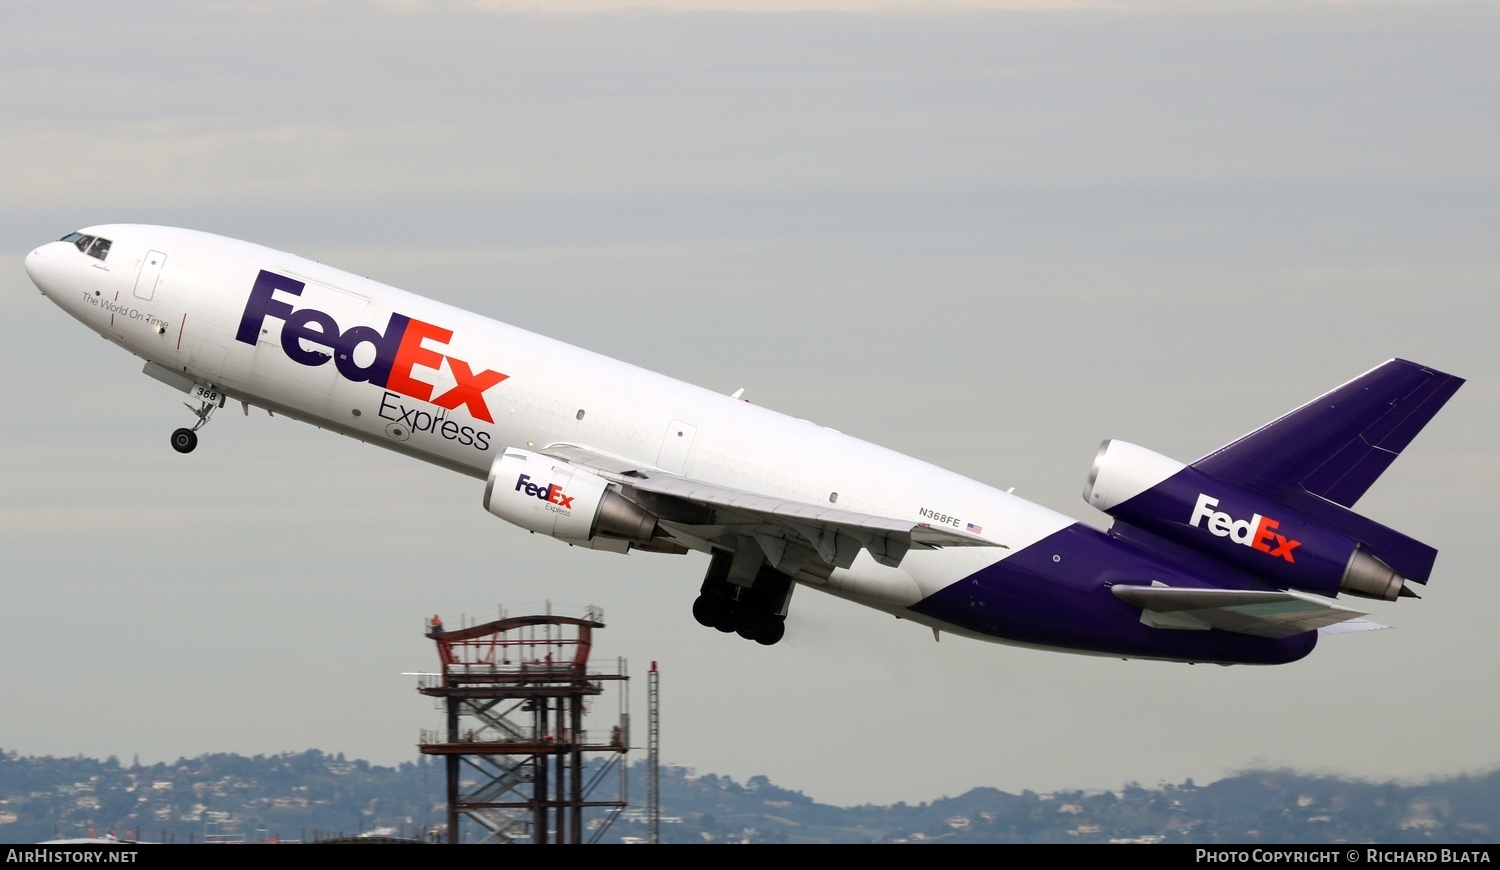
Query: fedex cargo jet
x=1238 y=557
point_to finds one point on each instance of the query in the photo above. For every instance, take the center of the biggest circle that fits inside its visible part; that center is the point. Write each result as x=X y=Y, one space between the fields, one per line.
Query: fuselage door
x=145 y=280
x=675 y=446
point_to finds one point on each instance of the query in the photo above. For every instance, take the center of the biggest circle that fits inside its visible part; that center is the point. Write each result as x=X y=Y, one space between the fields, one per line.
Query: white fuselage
x=179 y=299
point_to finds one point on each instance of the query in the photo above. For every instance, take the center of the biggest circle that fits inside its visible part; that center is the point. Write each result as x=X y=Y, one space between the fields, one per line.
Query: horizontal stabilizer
x=1352 y=625
x=1337 y=445
x=1259 y=613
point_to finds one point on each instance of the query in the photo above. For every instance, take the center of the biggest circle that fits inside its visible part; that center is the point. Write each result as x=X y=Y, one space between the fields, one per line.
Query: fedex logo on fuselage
x=1256 y=532
x=550 y=493
x=399 y=349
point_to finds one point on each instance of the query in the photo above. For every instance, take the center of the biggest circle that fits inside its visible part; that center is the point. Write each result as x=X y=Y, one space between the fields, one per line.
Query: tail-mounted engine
x=546 y=495
x=1242 y=528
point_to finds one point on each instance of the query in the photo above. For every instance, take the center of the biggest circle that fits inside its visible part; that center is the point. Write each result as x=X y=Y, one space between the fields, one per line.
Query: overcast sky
x=987 y=237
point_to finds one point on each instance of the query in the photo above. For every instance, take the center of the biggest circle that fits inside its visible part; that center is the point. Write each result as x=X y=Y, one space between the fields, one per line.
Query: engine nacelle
x=1245 y=529
x=549 y=496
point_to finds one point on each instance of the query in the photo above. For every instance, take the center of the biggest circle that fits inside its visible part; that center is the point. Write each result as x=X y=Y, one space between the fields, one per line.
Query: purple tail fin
x=1337 y=445
x=1321 y=458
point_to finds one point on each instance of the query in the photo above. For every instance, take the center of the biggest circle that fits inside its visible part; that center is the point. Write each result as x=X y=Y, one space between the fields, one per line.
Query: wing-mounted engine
x=1243 y=528
x=546 y=495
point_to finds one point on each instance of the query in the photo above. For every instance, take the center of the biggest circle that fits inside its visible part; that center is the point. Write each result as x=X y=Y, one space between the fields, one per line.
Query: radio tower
x=514 y=693
x=653 y=751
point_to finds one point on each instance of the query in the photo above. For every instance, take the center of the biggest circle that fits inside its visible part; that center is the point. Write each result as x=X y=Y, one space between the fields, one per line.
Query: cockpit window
x=92 y=245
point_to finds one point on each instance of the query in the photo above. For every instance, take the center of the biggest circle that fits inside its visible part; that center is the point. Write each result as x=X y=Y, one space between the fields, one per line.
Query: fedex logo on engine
x=1256 y=532
x=550 y=493
x=399 y=350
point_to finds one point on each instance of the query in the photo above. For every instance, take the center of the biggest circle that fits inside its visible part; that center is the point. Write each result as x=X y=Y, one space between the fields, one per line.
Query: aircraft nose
x=41 y=267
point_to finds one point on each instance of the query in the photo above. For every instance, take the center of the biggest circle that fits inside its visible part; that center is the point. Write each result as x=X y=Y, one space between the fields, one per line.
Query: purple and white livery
x=1235 y=558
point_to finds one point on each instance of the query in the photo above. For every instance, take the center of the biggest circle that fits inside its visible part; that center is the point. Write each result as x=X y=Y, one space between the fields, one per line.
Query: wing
x=792 y=534
x=1263 y=614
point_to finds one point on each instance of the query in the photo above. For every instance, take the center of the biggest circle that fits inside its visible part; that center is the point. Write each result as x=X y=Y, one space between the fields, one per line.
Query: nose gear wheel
x=184 y=440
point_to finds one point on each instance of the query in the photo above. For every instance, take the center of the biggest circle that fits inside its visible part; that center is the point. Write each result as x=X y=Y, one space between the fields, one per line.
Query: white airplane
x=1236 y=558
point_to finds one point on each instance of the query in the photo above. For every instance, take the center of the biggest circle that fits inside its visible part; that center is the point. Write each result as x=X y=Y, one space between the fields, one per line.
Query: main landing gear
x=755 y=612
x=184 y=440
x=742 y=617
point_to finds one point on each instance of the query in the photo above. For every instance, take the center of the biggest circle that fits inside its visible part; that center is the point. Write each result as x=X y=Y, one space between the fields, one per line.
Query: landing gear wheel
x=709 y=610
x=184 y=440
x=762 y=627
x=751 y=623
x=774 y=630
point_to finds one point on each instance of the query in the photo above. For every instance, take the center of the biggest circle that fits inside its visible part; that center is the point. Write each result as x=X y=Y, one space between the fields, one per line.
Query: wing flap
x=1270 y=614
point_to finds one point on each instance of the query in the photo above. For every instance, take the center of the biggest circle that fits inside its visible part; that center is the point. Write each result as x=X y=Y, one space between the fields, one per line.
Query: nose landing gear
x=184 y=440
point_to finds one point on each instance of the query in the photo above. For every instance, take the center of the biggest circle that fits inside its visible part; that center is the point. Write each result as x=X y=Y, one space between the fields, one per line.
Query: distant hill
x=312 y=795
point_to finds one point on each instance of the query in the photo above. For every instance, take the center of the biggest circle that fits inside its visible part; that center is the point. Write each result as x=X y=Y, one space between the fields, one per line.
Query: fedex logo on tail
x=399 y=350
x=550 y=493
x=1256 y=532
